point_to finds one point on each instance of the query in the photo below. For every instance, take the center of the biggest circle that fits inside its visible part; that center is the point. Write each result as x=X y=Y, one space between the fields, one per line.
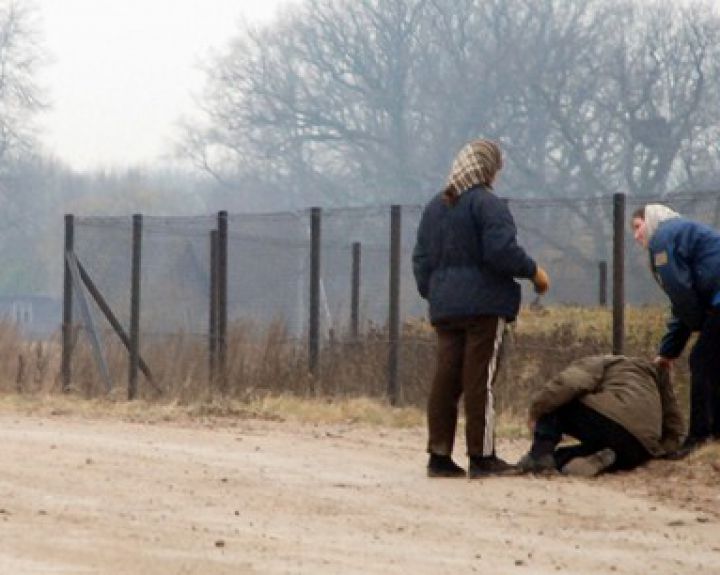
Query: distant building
x=36 y=316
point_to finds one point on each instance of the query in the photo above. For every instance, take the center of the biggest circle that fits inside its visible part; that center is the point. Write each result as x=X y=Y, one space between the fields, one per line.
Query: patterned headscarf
x=476 y=164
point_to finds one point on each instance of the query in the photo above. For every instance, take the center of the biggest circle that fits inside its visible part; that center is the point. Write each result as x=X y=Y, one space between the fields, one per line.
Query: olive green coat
x=627 y=390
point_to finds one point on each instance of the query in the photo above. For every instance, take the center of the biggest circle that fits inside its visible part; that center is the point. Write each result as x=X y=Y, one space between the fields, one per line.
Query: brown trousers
x=467 y=353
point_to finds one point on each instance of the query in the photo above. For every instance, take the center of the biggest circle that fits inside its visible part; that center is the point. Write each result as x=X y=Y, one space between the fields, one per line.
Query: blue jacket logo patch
x=661 y=259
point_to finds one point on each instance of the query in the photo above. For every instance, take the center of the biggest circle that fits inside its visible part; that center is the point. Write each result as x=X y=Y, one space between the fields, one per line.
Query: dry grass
x=267 y=374
x=709 y=453
x=644 y=326
x=284 y=407
x=545 y=340
x=26 y=367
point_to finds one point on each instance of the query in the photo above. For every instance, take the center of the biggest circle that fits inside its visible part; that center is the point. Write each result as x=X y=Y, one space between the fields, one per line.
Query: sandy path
x=110 y=497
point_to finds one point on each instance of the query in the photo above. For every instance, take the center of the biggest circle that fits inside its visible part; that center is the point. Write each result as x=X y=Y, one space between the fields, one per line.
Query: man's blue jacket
x=685 y=259
x=467 y=255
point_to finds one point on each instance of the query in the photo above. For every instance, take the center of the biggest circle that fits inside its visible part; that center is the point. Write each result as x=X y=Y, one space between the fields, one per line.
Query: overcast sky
x=121 y=72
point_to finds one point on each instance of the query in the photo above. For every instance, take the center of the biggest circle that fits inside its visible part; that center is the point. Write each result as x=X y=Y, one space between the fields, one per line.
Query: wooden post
x=602 y=283
x=112 y=320
x=355 y=291
x=135 y=306
x=67 y=335
x=87 y=316
x=212 y=315
x=394 y=307
x=222 y=284
x=618 y=273
x=314 y=320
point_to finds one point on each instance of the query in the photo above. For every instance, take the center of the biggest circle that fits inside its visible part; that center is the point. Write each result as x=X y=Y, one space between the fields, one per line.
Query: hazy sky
x=121 y=72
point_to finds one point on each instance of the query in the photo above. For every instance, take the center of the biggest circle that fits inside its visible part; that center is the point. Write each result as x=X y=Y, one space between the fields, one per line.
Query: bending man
x=622 y=410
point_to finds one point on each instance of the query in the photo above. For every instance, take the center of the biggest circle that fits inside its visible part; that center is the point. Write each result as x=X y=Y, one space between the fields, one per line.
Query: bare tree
x=368 y=99
x=603 y=96
x=327 y=97
x=20 y=55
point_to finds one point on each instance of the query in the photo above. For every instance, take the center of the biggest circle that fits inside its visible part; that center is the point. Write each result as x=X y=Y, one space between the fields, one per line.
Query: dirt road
x=112 y=497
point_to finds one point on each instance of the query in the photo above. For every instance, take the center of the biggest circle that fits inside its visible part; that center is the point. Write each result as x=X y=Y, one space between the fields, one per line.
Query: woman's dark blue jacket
x=685 y=259
x=467 y=255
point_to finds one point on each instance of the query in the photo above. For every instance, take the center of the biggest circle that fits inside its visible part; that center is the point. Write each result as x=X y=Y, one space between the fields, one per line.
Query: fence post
x=314 y=325
x=135 y=306
x=602 y=283
x=222 y=285
x=212 y=312
x=67 y=343
x=618 y=343
x=394 y=311
x=355 y=291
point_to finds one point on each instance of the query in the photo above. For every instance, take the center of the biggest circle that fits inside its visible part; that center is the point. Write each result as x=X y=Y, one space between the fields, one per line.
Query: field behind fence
x=323 y=301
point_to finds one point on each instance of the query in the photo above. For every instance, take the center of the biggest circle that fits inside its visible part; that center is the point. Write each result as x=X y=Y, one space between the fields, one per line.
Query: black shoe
x=530 y=463
x=443 y=466
x=487 y=466
x=690 y=444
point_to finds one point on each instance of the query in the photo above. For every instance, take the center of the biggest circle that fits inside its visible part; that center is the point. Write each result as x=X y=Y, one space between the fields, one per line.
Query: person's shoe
x=487 y=466
x=590 y=465
x=530 y=463
x=443 y=466
x=688 y=446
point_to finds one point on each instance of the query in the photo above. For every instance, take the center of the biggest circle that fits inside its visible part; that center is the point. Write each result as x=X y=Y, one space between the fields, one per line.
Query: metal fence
x=326 y=276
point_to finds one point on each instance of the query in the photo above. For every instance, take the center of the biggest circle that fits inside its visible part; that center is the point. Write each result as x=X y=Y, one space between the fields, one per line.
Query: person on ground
x=622 y=410
x=465 y=260
x=685 y=261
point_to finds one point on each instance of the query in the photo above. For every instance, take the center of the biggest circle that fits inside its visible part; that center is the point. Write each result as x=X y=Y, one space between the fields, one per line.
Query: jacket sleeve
x=673 y=426
x=580 y=377
x=499 y=239
x=422 y=267
x=675 y=338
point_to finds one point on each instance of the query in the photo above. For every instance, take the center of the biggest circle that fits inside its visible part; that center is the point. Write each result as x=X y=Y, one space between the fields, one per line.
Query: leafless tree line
x=347 y=102
x=356 y=101
x=20 y=95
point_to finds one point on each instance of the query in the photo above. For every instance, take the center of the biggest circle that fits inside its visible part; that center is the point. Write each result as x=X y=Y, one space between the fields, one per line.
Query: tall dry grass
x=26 y=366
x=266 y=363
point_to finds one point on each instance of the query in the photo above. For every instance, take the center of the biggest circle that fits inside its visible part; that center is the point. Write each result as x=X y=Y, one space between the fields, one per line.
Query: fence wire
x=269 y=269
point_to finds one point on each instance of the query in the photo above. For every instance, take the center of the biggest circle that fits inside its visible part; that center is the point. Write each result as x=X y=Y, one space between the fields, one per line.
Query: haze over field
x=189 y=107
x=120 y=74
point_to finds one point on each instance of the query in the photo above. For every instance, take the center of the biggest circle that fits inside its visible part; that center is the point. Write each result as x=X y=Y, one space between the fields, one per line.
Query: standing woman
x=685 y=260
x=465 y=260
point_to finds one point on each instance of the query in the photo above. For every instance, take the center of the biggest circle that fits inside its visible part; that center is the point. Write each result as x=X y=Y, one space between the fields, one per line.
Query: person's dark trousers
x=466 y=365
x=705 y=381
x=593 y=430
x=716 y=411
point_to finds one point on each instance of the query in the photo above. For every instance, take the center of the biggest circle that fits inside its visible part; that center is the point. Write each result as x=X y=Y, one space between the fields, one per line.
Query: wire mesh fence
x=269 y=298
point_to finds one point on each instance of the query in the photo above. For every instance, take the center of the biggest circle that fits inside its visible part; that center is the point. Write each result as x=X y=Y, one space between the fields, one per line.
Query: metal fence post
x=355 y=291
x=222 y=285
x=212 y=311
x=314 y=320
x=135 y=306
x=602 y=283
x=67 y=343
x=618 y=343
x=394 y=311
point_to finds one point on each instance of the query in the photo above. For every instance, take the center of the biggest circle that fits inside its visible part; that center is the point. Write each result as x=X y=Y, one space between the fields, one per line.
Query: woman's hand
x=541 y=281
